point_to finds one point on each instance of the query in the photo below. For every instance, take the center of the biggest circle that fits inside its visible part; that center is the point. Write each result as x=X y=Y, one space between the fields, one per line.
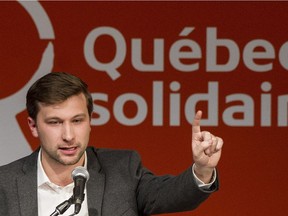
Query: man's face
x=63 y=130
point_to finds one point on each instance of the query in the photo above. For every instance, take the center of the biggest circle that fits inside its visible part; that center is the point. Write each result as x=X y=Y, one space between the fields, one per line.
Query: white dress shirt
x=51 y=195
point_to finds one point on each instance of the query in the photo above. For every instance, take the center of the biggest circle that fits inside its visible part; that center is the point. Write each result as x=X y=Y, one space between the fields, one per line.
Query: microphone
x=80 y=175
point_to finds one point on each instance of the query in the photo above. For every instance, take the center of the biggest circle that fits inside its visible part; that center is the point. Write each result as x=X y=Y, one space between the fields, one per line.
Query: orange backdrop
x=228 y=59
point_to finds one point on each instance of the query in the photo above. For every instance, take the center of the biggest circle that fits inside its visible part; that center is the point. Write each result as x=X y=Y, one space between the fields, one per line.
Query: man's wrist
x=205 y=175
x=210 y=176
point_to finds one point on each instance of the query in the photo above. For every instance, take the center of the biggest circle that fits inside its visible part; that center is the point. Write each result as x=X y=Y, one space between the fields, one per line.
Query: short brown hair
x=54 y=88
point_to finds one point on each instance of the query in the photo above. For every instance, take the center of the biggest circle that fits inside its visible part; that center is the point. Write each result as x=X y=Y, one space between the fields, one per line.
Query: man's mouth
x=68 y=150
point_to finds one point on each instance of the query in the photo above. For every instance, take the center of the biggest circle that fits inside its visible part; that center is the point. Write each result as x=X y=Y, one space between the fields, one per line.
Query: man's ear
x=33 y=126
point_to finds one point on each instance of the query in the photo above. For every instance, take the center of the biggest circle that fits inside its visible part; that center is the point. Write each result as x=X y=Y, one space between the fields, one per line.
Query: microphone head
x=80 y=171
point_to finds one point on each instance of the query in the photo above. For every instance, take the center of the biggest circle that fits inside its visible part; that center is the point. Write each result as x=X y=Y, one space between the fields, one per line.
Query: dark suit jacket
x=118 y=186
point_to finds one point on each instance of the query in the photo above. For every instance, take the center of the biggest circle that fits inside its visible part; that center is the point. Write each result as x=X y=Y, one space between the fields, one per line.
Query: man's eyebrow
x=80 y=115
x=52 y=118
x=59 y=118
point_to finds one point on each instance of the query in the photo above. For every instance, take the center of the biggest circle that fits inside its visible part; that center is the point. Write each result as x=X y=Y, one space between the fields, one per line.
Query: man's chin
x=69 y=161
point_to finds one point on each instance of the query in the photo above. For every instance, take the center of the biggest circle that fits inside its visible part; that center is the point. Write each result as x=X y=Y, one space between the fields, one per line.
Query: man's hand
x=206 y=150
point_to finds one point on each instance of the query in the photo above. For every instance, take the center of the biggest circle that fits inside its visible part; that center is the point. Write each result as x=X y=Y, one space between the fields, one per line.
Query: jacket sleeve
x=168 y=193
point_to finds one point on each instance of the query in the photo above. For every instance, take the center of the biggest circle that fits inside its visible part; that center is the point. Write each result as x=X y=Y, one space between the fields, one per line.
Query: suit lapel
x=95 y=185
x=27 y=187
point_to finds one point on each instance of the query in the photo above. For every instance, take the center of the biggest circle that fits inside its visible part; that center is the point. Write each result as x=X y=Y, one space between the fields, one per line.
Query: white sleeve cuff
x=200 y=183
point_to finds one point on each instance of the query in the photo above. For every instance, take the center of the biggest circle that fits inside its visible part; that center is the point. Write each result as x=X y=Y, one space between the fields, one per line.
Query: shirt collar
x=42 y=177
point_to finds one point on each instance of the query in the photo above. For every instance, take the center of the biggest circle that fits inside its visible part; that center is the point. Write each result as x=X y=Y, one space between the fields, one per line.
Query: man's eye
x=77 y=120
x=53 y=122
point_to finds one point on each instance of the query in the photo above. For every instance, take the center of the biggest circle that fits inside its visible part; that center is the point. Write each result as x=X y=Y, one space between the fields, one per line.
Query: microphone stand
x=62 y=207
x=80 y=175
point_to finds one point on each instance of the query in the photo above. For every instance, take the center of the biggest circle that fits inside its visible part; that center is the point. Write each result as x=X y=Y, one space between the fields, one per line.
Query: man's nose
x=68 y=132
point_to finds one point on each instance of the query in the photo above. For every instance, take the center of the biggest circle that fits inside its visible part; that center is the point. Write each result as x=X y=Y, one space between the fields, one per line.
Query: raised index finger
x=196 y=122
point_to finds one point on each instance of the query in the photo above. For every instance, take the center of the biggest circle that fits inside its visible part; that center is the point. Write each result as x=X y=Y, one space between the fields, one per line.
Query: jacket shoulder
x=114 y=159
x=17 y=167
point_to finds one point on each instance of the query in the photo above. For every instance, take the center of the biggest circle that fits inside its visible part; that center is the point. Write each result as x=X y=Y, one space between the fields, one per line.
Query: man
x=60 y=108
